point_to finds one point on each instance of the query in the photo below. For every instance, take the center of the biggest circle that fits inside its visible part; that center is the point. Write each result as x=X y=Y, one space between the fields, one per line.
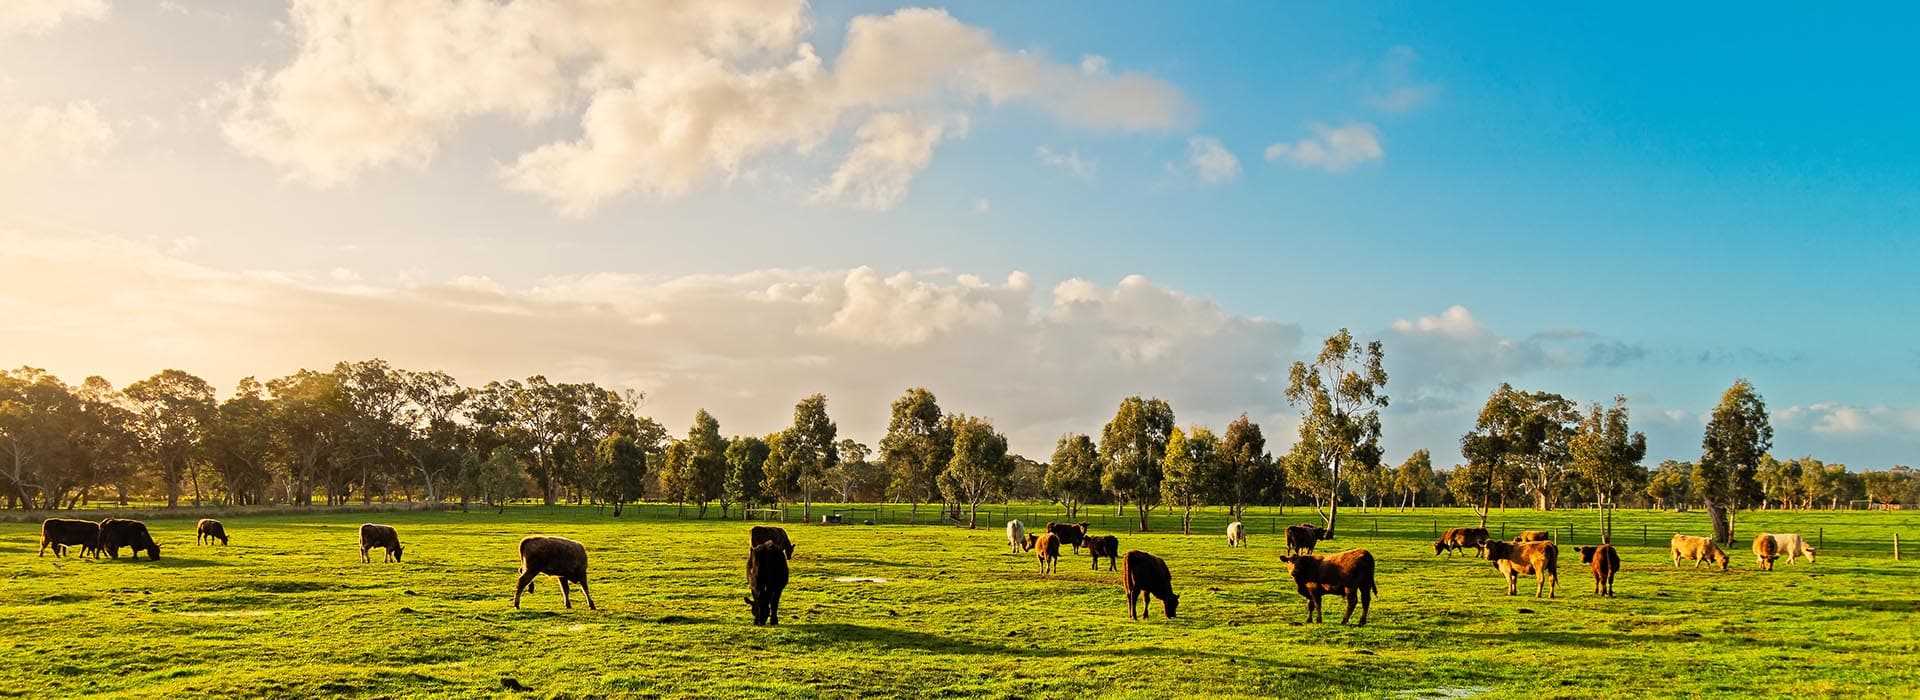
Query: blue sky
x=1635 y=200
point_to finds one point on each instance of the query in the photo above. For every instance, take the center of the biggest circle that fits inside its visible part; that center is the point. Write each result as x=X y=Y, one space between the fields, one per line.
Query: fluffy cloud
x=74 y=136
x=1083 y=168
x=41 y=16
x=1453 y=351
x=744 y=346
x=677 y=94
x=1211 y=162
x=1332 y=149
x=1839 y=420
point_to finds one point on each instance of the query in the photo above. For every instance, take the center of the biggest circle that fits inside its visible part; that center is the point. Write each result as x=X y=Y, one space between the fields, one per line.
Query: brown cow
x=1605 y=562
x=1534 y=536
x=1145 y=576
x=1348 y=574
x=766 y=579
x=1698 y=549
x=116 y=533
x=1047 y=548
x=208 y=530
x=1766 y=549
x=1542 y=559
x=1072 y=534
x=1458 y=539
x=558 y=557
x=1104 y=546
x=769 y=533
x=382 y=536
x=1303 y=537
x=60 y=533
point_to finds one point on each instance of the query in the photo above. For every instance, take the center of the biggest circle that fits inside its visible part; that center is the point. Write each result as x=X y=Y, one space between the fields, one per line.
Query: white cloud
x=1211 y=162
x=677 y=94
x=72 y=136
x=1397 y=89
x=42 y=16
x=745 y=346
x=1454 y=352
x=1083 y=168
x=1332 y=149
x=341 y=274
x=891 y=149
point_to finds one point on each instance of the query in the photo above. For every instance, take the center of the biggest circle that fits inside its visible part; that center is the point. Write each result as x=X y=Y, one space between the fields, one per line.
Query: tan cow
x=1765 y=549
x=1698 y=549
x=1542 y=559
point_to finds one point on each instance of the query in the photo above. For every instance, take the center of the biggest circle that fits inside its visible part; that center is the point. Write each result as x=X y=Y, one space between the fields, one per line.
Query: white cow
x=1016 y=536
x=1791 y=546
x=1236 y=534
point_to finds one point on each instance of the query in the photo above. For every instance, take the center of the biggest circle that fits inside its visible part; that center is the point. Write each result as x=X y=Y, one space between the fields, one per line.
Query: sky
x=1034 y=211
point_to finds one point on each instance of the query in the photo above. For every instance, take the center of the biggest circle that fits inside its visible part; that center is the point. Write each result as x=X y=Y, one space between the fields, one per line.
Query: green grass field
x=289 y=611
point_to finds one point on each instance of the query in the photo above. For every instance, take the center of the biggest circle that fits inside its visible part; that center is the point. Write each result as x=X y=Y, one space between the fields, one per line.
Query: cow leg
x=526 y=577
x=565 y=595
x=1352 y=598
x=363 y=555
x=587 y=593
x=1133 y=597
x=1366 y=602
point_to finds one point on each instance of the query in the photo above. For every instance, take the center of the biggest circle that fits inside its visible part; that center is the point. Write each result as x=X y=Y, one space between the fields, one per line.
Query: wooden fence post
x=1643 y=534
x=1823 y=538
x=1896 y=546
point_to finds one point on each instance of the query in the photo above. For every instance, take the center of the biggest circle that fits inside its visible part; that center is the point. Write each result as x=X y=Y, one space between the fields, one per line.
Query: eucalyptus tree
x=1246 y=469
x=173 y=410
x=675 y=475
x=1738 y=435
x=434 y=427
x=1671 y=484
x=1073 y=476
x=1133 y=447
x=310 y=412
x=244 y=443
x=1339 y=396
x=1191 y=469
x=1607 y=455
x=746 y=460
x=979 y=469
x=623 y=465
x=1413 y=477
x=706 y=461
x=806 y=450
x=916 y=447
x=376 y=396
x=37 y=412
x=853 y=471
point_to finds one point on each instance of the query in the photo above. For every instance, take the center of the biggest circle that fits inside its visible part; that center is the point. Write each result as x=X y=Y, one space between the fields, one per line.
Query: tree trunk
x=1144 y=511
x=1186 y=520
x=806 y=509
x=973 y=514
x=1722 y=530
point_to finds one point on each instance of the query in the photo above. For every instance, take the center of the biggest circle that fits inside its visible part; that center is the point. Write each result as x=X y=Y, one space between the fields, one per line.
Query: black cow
x=766 y=579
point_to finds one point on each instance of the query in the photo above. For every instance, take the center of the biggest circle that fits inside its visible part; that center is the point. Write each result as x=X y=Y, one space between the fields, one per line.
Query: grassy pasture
x=289 y=611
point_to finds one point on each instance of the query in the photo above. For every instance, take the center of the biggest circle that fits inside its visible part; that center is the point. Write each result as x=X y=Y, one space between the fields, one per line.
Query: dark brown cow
x=61 y=533
x=766 y=580
x=1047 y=548
x=209 y=530
x=1534 y=536
x=1605 y=562
x=769 y=533
x=1348 y=574
x=1303 y=537
x=1145 y=576
x=558 y=557
x=1070 y=534
x=1542 y=559
x=1458 y=539
x=1104 y=546
x=382 y=536
x=116 y=533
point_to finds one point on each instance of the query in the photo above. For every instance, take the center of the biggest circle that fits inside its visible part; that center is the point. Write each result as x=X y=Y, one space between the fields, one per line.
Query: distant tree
x=624 y=470
x=1247 y=469
x=173 y=410
x=1604 y=453
x=1738 y=434
x=434 y=429
x=706 y=461
x=805 y=452
x=1413 y=478
x=1671 y=484
x=37 y=412
x=500 y=478
x=1073 y=476
x=746 y=460
x=242 y=443
x=104 y=444
x=916 y=448
x=1339 y=396
x=1132 y=448
x=676 y=473
x=310 y=410
x=1029 y=481
x=853 y=470
x=980 y=469
x=1779 y=480
x=1190 y=468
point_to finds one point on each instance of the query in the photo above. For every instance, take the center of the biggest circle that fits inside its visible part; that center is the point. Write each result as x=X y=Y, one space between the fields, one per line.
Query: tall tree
x=916 y=447
x=746 y=458
x=1414 y=477
x=1737 y=436
x=675 y=474
x=624 y=470
x=1671 y=484
x=433 y=427
x=979 y=469
x=173 y=410
x=1245 y=466
x=1073 y=477
x=1339 y=396
x=1606 y=455
x=853 y=470
x=1133 y=447
x=376 y=396
x=706 y=461
x=1190 y=470
x=807 y=451
x=242 y=443
x=311 y=411
x=37 y=412
x=104 y=442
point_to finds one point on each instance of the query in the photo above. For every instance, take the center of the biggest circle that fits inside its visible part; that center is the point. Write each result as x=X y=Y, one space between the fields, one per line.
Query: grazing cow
x=1792 y=547
x=1542 y=559
x=1348 y=574
x=766 y=579
x=1047 y=548
x=1605 y=562
x=1236 y=534
x=1104 y=546
x=1765 y=549
x=1534 y=536
x=60 y=533
x=769 y=533
x=1303 y=537
x=1145 y=577
x=1459 y=539
x=1069 y=533
x=382 y=536
x=116 y=533
x=1016 y=536
x=209 y=530
x=558 y=557
x=1698 y=549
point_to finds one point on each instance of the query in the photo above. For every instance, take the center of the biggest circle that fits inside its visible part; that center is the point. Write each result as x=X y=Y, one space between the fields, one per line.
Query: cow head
x=1171 y=604
x=153 y=552
x=1439 y=546
x=396 y=551
x=1586 y=553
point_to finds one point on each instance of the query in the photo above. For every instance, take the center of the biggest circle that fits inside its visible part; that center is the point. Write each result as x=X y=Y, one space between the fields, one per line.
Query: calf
x=1016 y=536
x=61 y=533
x=1698 y=549
x=558 y=557
x=1069 y=533
x=1459 y=539
x=1348 y=574
x=1047 y=548
x=1765 y=549
x=382 y=536
x=1605 y=562
x=766 y=579
x=768 y=533
x=1534 y=536
x=1303 y=537
x=1236 y=534
x=1792 y=547
x=1145 y=577
x=1104 y=546
x=116 y=533
x=209 y=530
x=1512 y=559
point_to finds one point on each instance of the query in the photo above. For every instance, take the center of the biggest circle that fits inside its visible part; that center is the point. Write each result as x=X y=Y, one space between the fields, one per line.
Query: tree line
x=367 y=430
